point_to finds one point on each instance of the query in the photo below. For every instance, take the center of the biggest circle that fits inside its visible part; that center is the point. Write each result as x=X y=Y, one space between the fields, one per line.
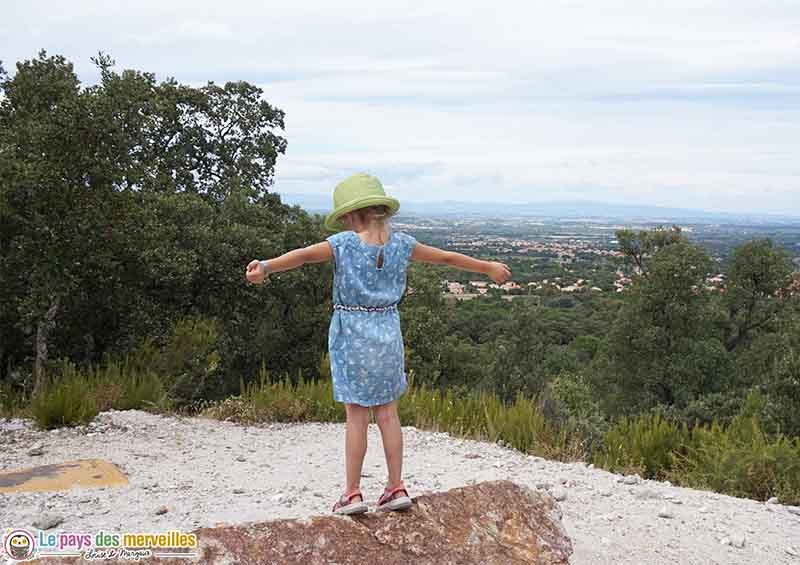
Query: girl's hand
x=255 y=272
x=499 y=272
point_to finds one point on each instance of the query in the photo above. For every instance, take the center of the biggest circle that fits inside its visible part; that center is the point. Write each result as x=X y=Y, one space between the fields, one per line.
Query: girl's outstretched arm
x=316 y=253
x=498 y=272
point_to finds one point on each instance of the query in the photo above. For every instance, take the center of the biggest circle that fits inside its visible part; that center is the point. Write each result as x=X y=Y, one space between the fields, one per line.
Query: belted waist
x=353 y=307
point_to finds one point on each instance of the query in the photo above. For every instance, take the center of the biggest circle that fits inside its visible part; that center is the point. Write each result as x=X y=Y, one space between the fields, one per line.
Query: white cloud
x=650 y=102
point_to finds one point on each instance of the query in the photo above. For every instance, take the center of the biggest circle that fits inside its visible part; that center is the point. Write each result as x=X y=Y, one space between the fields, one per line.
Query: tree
x=115 y=200
x=422 y=322
x=40 y=125
x=665 y=348
x=639 y=246
x=759 y=271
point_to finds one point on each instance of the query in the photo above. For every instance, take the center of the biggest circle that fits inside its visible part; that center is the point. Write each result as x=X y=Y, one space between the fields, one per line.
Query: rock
x=37 y=449
x=241 y=459
x=47 y=521
x=772 y=500
x=665 y=512
x=238 y=491
x=737 y=540
x=646 y=494
x=630 y=480
x=493 y=523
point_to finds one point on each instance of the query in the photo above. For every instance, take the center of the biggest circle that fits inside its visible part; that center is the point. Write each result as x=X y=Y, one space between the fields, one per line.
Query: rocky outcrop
x=497 y=522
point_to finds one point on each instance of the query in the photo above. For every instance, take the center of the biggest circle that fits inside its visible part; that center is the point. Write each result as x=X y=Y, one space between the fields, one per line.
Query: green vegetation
x=76 y=396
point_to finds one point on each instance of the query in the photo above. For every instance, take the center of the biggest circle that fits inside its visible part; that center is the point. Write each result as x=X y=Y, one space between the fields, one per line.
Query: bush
x=281 y=401
x=119 y=386
x=741 y=461
x=78 y=395
x=67 y=402
x=188 y=362
x=569 y=402
x=642 y=445
x=13 y=399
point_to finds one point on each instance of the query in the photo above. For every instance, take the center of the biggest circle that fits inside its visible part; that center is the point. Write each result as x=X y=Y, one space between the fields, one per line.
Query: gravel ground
x=190 y=472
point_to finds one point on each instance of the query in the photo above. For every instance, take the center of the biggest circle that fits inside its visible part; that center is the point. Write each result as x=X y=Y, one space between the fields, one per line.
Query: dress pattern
x=364 y=340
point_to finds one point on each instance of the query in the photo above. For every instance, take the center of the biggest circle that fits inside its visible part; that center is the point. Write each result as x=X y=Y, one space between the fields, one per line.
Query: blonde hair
x=376 y=218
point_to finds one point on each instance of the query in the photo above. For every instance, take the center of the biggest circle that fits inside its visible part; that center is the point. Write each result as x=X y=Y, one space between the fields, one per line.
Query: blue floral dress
x=365 y=342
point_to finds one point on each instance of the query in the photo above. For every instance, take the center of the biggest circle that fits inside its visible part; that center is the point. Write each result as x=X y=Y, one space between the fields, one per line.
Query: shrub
x=66 y=402
x=188 y=362
x=643 y=445
x=287 y=401
x=569 y=402
x=119 y=386
x=12 y=400
x=741 y=461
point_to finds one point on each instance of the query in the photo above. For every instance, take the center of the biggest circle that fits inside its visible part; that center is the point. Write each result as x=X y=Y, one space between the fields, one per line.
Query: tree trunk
x=42 y=331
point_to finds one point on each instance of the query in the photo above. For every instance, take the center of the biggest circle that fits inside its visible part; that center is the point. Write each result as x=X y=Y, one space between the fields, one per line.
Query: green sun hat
x=354 y=192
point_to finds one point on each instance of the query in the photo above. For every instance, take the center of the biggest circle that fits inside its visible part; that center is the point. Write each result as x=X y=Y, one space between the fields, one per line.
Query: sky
x=686 y=103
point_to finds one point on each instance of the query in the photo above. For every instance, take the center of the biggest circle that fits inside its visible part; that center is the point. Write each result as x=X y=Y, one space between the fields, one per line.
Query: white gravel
x=203 y=472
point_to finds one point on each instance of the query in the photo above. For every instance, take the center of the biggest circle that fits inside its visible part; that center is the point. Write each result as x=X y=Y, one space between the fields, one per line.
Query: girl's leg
x=355 y=445
x=389 y=423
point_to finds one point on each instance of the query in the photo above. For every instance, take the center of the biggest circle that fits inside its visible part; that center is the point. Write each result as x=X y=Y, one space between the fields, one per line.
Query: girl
x=364 y=339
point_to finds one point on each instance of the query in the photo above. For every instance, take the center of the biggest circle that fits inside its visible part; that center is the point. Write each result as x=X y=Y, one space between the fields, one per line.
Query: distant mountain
x=565 y=210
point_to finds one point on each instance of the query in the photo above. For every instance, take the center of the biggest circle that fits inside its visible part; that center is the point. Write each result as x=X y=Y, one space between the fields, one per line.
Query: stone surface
x=630 y=479
x=86 y=473
x=48 y=521
x=494 y=522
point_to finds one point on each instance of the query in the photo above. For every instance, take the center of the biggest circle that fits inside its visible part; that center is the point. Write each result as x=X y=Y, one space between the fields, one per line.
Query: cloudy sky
x=689 y=103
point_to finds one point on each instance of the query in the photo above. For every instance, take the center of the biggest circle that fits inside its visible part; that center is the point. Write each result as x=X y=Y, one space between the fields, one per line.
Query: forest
x=130 y=208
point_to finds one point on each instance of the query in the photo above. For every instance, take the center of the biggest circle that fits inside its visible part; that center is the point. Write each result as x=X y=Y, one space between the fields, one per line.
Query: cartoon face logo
x=19 y=545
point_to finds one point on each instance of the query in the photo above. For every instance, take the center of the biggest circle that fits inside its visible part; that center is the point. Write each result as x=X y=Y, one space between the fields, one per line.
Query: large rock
x=496 y=522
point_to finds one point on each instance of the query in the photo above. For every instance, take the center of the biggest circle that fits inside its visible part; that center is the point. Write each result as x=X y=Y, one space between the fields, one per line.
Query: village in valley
x=551 y=258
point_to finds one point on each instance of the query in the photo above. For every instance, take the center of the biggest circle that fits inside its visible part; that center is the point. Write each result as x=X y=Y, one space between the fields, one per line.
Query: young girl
x=364 y=340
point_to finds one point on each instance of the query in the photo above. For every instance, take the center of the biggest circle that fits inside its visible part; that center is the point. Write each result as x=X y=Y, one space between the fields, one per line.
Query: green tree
x=423 y=323
x=639 y=246
x=759 y=271
x=130 y=204
x=665 y=347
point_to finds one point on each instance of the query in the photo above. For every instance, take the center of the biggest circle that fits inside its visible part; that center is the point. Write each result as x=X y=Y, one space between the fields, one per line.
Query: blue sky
x=687 y=103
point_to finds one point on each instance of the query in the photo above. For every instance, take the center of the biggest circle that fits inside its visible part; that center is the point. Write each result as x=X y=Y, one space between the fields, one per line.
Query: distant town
x=550 y=257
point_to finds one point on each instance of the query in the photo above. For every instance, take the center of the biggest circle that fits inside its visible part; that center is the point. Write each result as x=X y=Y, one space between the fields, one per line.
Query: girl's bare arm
x=499 y=272
x=316 y=253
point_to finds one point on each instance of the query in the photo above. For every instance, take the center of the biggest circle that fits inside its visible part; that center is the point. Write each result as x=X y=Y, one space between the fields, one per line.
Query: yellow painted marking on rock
x=86 y=473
